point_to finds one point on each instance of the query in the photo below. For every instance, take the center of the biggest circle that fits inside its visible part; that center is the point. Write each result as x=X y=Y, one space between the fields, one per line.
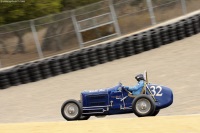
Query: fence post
x=1 y=64
x=184 y=8
x=114 y=16
x=151 y=12
x=78 y=34
x=35 y=36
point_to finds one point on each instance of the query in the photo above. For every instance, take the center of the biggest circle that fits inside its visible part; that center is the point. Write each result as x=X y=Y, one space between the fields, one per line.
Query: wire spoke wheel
x=71 y=110
x=143 y=106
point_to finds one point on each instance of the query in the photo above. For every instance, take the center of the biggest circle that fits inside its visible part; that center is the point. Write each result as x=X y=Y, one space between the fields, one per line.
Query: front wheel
x=71 y=110
x=143 y=105
x=82 y=117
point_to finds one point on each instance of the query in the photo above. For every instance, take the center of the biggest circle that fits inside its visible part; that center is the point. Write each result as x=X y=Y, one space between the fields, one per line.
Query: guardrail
x=99 y=54
x=54 y=34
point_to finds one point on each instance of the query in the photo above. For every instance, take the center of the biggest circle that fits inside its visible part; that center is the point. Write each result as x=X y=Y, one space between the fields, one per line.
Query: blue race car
x=118 y=100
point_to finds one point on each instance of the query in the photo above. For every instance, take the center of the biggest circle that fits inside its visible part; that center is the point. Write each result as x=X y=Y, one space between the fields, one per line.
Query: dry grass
x=129 y=23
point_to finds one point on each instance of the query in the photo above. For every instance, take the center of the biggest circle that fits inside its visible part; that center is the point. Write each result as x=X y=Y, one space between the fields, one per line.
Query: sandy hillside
x=176 y=65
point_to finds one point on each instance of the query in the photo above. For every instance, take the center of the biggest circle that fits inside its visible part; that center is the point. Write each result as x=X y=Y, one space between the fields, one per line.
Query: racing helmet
x=139 y=77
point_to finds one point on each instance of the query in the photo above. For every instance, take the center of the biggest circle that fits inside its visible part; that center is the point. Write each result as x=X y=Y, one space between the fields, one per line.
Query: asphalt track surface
x=176 y=65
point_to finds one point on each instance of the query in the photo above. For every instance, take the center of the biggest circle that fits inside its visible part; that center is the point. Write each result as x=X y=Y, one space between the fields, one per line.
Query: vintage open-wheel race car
x=118 y=100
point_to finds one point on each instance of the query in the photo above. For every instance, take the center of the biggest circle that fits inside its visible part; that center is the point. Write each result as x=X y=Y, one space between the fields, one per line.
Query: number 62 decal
x=156 y=93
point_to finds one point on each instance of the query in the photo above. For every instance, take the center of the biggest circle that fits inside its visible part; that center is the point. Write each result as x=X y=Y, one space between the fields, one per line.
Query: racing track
x=176 y=65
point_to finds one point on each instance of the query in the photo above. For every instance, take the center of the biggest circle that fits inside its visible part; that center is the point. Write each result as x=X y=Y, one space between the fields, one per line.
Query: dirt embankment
x=174 y=65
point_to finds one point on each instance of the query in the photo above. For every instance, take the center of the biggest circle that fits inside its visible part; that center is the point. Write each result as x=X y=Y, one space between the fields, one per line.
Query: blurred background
x=31 y=30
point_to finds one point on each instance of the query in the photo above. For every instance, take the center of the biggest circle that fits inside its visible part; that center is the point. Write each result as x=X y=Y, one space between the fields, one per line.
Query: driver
x=136 y=90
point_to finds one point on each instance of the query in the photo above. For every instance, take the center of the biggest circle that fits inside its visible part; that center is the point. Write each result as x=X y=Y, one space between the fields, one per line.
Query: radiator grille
x=98 y=100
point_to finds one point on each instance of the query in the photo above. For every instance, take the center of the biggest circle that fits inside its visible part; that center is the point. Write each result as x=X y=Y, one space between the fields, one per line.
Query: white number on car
x=154 y=92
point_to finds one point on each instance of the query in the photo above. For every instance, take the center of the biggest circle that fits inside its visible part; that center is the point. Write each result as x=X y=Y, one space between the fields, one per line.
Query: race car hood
x=99 y=91
x=98 y=97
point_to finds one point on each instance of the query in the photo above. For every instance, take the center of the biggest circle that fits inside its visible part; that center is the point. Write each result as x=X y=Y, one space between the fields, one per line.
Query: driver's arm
x=135 y=88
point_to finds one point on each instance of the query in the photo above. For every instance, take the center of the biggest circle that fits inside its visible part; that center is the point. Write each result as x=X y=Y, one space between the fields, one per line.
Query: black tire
x=84 y=117
x=149 y=108
x=75 y=105
x=100 y=116
x=155 y=112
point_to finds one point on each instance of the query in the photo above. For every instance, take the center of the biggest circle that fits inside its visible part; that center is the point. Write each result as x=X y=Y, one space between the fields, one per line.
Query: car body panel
x=162 y=94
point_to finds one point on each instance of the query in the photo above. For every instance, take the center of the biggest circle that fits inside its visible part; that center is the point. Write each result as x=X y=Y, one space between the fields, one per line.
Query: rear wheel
x=71 y=110
x=143 y=105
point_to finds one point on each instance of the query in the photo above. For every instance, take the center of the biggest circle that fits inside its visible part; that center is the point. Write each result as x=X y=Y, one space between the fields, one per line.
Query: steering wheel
x=120 y=84
x=126 y=90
